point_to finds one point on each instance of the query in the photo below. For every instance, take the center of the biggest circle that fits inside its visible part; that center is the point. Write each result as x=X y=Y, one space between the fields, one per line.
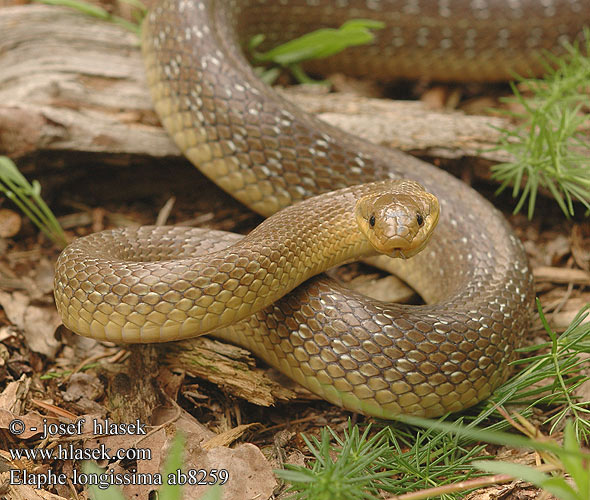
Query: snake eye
x=372 y=221
x=419 y=219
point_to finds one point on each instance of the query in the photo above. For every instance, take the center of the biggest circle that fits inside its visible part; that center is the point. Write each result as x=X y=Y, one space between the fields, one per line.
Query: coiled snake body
x=367 y=356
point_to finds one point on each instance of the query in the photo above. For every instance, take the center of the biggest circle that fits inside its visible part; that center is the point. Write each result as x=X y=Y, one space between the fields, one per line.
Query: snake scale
x=368 y=356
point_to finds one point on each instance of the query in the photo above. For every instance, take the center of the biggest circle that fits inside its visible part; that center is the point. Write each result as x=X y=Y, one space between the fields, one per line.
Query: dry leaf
x=38 y=324
x=31 y=424
x=250 y=474
x=83 y=390
x=23 y=492
x=11 y=398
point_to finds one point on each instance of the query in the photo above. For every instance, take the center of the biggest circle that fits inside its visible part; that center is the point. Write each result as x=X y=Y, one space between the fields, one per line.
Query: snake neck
x=311 y=236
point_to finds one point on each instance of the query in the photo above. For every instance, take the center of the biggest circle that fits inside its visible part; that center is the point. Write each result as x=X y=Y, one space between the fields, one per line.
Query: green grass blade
x=27 y=198
x=94 y=491
x=172 y=490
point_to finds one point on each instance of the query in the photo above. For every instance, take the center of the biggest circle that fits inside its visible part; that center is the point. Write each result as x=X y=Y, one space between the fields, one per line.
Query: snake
x=332 y=195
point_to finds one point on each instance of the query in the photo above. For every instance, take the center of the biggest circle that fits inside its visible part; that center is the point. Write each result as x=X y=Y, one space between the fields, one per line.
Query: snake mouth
x=400 y=248
x=405 y=253
x=408 y=251
x=398 y=253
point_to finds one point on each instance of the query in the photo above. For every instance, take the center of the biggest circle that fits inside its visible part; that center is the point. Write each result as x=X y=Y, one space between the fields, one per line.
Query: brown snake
x=377 y=358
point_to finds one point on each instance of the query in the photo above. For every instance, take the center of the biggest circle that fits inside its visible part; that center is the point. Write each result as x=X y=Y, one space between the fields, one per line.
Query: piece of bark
x=233 y=369
x=73 y=83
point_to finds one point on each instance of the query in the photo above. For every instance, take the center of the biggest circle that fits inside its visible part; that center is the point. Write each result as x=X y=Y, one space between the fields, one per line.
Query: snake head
x=400 y=221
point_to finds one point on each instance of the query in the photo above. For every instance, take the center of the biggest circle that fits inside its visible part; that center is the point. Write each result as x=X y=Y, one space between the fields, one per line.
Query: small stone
x=10 y=223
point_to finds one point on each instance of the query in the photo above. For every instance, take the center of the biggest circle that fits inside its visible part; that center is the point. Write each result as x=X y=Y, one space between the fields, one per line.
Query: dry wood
x=561 y=275
x=71 y=82
x=406 y=125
